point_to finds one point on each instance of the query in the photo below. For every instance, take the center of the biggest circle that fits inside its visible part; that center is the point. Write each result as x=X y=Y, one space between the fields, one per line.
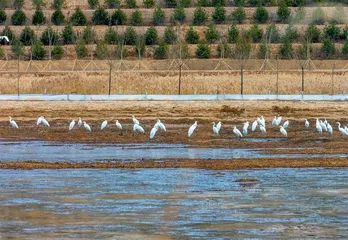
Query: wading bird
x=218 y=126
x=79 y=123
x=161 y=125
x=342 y=130
x=87 y=127
x=191 y=129
x=245 y=128
x=306 y=123
x=274 y=122
x=237 y=132
x=71 y=125
x=13 y=123
x=118 y=125
x=153 y=131
x=215 y=129
x=43 y=121
x=286 y=124
x=283 y=131
x=329 y=128
x=138 y=128
x=135 y=121
x=253 y=127
x=103 y=125
x=39 y=120
x=263 y=129
x=318 y=127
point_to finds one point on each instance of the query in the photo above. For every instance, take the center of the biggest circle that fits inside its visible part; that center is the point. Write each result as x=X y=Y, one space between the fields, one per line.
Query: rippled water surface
x=174 y=203
x=78 y=152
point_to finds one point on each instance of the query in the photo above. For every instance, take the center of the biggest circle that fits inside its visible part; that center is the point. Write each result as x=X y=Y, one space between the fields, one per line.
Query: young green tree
x=291 y=33
x=38 y=17
x=68 y=35
x=203 y=51
x=101 y=50
x=283 y=12
x=328 y=48
x=131 y=4
x=161 y=52
x=332 y=32
x=286 y=50
x=158 y=16
x=111 y=36
x=18 y=4
x=17 y=48
x=179 y=15
x=238 y=15
x=118 y=17
x=211 y=34
x=130 y=36
x=169 y=36
x=38 y=51
x=261 y=15
x=3 y=16
x=272 y=33
x=28 y=36
x=136 y=18
x=18 y=18
x=200 y=16
x=78 y=18
x=93 y=4
x=219 y=15
x=58 y=4
x=100 y=17
x=112 y=3
x=9 y=33
x=216 y=3
x=345 y=50
x=151 y=36
x=57 y=52
x=81 y=50
x=192 y=36
x=312 y=33
x=149 y=3
x=89 y=35
x=171 y=3
x=318 y=16
x=233 y=34
x=255 y=33
x=58 y=17
x=49 y=37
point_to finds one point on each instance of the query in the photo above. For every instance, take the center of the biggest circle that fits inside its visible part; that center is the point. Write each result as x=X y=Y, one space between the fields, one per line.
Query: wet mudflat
x=173 y=203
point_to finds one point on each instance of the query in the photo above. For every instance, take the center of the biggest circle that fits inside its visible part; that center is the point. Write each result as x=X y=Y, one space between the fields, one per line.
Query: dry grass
x=192 y=83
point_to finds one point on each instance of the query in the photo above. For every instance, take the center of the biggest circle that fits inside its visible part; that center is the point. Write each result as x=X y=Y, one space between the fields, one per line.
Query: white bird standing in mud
x=342 y=130
x=286 y=124
x=263 y=129
x=261 y=121
x=306 y=123
x=323 y=125
x=215 y=129
x=71 y=125
x=237 y=132
x=329 y=128
x=279 y=120
x=191 y=129
x=43 y=121
x=103 y=125
x=274 y=122
x=79 y=123
x=153 y=131
x=283 y=131
x=245 y=128
x=254 y=126
x=218 y=126
x=138 y=128
x=160 y=125
x=87 y=127
x=13 y=123
x=118 y=125
x=135 y=121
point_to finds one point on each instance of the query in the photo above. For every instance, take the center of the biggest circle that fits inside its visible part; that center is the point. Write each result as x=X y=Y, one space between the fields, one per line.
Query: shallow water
x=77 y=152
x=179 y=203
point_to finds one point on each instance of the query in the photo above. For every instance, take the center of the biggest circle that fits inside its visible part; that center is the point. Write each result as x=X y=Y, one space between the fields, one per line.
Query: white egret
x=71 y=125
x=323 y=125
x=325 y=122
x=191 y=129
x=274 y=121
x=245 y=128
x=263 y=129
x=261 y=121
x=342 y=130
x=329 y=128
x=118 y=125
x=161 y=125
x=253 y=127
x=218 y=125
x=306 y=123
x=286 y=124
x=346 y=129
x=45 y=122
x=215 y=129
x=237 y=132
x=137 y=127
x=318 y=127
x=103 y=125
x=135 y=121
x=283 y=131
x=279 y=120
x=153 y=131
x=87 y=127
x=13 y=123
x=79 y=123
x=39 y=120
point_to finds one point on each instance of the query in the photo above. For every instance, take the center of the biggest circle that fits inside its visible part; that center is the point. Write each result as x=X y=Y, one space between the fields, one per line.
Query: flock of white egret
x=321 y=126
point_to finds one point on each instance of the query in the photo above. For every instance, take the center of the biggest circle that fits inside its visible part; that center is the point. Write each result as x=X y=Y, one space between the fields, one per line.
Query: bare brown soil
x=178 y=116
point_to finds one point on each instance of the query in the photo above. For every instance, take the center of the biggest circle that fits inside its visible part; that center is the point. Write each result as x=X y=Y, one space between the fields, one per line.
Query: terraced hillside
x=130 y=29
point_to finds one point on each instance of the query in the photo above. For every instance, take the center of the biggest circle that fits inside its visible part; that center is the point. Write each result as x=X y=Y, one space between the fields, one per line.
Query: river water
x=173 y=203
